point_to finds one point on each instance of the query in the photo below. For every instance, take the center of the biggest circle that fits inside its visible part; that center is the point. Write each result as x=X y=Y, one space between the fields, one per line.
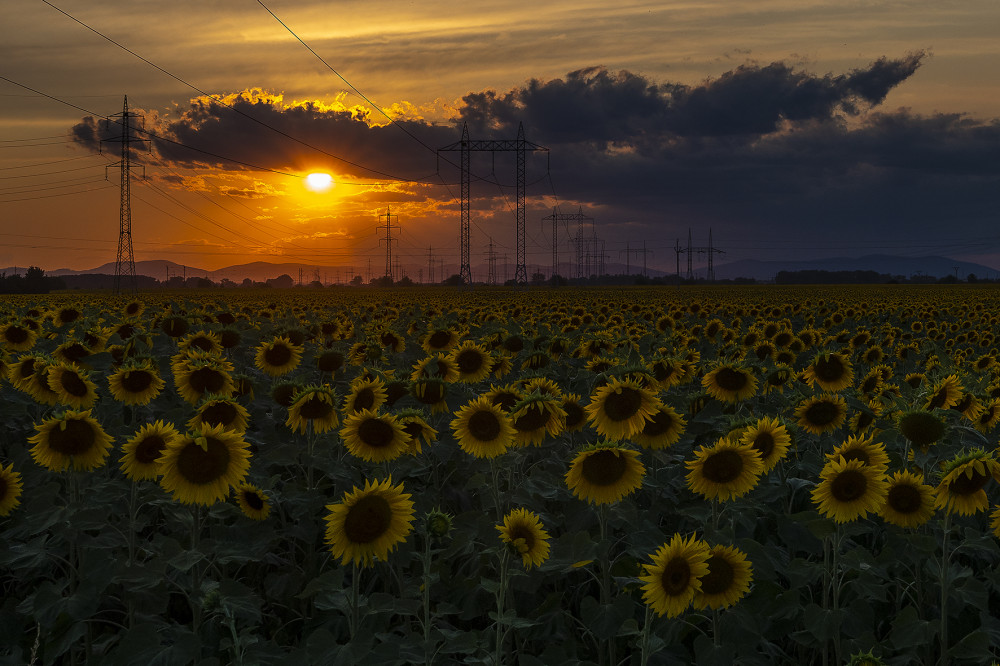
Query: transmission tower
x=466 y=146
x=430 y=265
x=710 y=250
x=125 y=259
x=629 y=251
x=388 y=239
x=491 y=262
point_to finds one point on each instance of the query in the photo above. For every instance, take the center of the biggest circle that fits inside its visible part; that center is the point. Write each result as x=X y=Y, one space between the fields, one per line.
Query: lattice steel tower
x=125 y=260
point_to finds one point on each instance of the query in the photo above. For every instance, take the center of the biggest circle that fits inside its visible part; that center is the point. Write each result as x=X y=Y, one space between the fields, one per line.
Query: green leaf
x=975 y=645
x=908 y=630
x=823 y=624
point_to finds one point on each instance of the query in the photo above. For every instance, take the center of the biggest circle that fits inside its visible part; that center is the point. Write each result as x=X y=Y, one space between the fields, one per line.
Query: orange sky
x=416 y=61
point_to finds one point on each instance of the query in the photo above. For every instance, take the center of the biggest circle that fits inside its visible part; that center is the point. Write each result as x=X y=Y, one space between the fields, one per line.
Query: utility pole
x=125 y=259
x=466 y=146
x=430 y=265
x=710 y=250
x=491 y=262
x=628 y=251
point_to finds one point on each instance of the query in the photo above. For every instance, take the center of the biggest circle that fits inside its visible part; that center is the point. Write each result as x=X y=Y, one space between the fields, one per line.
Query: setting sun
x=319 y=182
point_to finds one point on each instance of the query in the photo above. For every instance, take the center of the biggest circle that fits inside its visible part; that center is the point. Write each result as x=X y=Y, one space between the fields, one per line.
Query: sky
x=786 y=129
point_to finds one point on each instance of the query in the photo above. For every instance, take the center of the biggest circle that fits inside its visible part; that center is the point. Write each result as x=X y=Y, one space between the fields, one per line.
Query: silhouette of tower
x=125 y=259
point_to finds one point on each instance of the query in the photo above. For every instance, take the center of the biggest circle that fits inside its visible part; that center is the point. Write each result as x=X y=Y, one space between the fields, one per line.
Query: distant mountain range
x=260 y=271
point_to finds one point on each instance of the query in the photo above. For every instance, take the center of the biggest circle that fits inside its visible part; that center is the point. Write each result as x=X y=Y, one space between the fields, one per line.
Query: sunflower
x=141 y=452
x=662 y=430
x=604 y=473
x=472 y=362
x=865 y=449
x=440 y=339
x=206 y=341
x=374 y=437
x=135 y=383
x=369 y=522
x=770 y=439
x=920 y=427
x=73 y=385
x=253 y=503
x=73 y=440
x=224 y=411
x=909 y=502
x=199 y=467
x=30 y=375
x=15 y=337
x=277 y=357
x=538 y=415
x=313 y=405
x=203 y=374
x=725 y=470
x=390 y=340
x=830 y=371
x=523 y=530
x=10 y=490
x=995 y=522
x=849 y=490
x=576 y=416
x=968 y=406
x=823 y=413
x=946 y=393
x=415 y=426
x=430 y=392
x=961 y=487
x=365 y=394
x=329 y=360
x=543 y=385
x=730 y=383
x=674 y=576
x=727 y=581
x=620 y=410
x=502 y=363
x=483 y=429
x=989 y=417
x=505 y=397
x=667 y=372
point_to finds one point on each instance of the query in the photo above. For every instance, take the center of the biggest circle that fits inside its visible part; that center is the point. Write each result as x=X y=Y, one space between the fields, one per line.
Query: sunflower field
x=756 y=475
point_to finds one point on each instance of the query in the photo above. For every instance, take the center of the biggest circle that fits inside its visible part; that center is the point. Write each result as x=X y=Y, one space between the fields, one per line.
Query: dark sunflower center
x=763 y=444
x=921 y=428
x=77 y=438
x=660 y=423
x=484 y=426
x=253 y=500
x=413 y=429
x=26 y=368
x=604 y=468
x=849 y=485
x=206 y=380
x=469 y=361
x=939 y=398
x=574 y=414
x=965 y=485
x=368 y=519
x=905 y=499
x=856 y=454
x=870 y=384
x=200 y=466
x=364 y=399
x=149 y=449
x=676 y=576
x=202 y=343
x=428 y=392
x=522 y=532
x=220 y=413
x=3 y=489
x=330 y=361
x=439 y=339
x=315 y=408
x=131 y=308
x=506 y=401
x=822 y=413
x=622 y=404
x=729 y=379
x=376 y=433
x=69 y=314
x=15 y=334
x=829 y=369
x=72 y=384
x=663 y=371
x=137 y=381
x=278 y=356
x=75 y=352
x=719 y=577
x=533 y=418
x=723 y=466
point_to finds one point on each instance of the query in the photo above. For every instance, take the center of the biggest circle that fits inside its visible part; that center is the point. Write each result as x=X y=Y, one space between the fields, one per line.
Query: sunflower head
x=963 y=480
x=71 y=440
x=674 y=576
x=849 y=490
x=373 y=436
x=313 y=406
x=10 y=489
x=909 y=502
x=483 y=429
x=252 y=501
x=604 y=473
x=536 y=416
x=522 y=531
x=921 y=427
x=437 y=523
x=823 y=413
x=141 y=453
x=278 y=357
x=727 y=581
x=369 y=522
x=620 y=409
x=724 y=471
x=200 y=467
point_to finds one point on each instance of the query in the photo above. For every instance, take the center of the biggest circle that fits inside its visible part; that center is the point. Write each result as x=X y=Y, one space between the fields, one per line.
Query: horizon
x=744 y=126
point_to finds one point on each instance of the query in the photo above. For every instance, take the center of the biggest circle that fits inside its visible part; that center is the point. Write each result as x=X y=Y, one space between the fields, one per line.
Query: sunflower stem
x=427 y=599
x=195 y=598
x=944 y=582
x=602 y=519
x=716 y=638
x=310 y=448
x=501 y=598
x=647 y=622
x=354 y=618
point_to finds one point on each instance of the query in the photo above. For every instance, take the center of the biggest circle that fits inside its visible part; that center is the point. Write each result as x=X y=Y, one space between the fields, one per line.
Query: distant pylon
x=125 y=259
x=388 y=239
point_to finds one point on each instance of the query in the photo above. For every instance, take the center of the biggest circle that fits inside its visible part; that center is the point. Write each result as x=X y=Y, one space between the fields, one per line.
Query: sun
x=319 y=181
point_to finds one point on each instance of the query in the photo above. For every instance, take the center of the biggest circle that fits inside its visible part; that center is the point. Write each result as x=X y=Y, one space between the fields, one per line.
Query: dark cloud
x=763 y=150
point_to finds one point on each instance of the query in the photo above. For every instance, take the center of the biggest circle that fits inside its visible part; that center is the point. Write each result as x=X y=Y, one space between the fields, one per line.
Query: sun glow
x=319 y=182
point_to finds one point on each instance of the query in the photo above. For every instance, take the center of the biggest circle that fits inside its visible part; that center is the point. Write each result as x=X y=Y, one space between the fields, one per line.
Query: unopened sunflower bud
x=438 y=524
